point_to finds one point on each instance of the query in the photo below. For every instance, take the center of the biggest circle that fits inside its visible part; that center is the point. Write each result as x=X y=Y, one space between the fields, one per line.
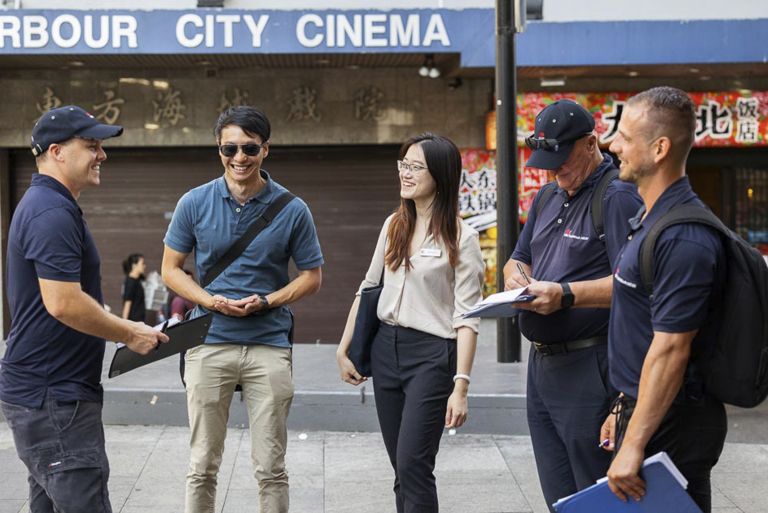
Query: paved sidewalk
x=333 y=472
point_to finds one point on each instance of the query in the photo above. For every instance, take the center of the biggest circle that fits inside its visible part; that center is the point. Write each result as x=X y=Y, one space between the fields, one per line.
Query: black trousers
x=567 y=401
x=693 y=434
x=62 y=445
x=412 y=380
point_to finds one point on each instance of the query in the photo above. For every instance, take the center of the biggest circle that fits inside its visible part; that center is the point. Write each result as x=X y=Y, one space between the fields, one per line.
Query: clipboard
x=665 y=491
x=182 y=337
x=501 y=304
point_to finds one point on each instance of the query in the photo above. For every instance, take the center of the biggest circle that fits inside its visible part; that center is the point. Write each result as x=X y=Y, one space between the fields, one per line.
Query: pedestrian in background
x=422 y=355
x=50 y=376
x=178 y=306
x=134 y=307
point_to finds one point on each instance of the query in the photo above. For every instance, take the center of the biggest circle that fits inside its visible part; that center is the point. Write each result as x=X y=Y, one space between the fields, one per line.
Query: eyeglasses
x=230 y=150
x=413 y=168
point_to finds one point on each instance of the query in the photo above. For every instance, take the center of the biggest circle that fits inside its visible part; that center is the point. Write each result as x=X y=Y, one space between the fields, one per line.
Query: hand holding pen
x=522 y=272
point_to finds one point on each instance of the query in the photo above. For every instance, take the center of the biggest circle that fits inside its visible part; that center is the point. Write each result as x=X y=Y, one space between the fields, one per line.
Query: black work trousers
x=693 y=434
x=412 y=380
x=567 y=402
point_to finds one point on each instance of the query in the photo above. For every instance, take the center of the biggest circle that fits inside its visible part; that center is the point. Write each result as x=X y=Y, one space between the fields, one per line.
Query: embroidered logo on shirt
x=568 y=233
x=622 y=280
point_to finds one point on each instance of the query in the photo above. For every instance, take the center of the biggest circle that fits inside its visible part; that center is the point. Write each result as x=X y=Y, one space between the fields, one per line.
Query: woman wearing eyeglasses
x=422 y=355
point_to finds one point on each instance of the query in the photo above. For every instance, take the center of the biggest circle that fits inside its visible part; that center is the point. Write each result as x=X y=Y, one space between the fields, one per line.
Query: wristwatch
x=568 y=298
x=264 y=302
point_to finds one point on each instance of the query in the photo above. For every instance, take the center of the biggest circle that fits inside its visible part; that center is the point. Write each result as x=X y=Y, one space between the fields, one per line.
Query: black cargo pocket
x=76 y=482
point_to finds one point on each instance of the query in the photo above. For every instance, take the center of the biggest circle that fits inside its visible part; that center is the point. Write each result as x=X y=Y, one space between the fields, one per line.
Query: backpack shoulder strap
x=545 y=193
x=245 y=240
x=598 y=202
x=678 y=215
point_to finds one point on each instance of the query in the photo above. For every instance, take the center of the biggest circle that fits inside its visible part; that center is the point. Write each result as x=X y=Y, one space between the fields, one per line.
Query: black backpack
x=596 y=207
x=736 y=372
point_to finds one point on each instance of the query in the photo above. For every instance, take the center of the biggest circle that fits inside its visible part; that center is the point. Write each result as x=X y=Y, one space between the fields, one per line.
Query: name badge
x=431 y=252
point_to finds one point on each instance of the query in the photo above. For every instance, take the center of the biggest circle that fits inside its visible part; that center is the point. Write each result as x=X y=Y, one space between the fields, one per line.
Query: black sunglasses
x=543 y=143
x=230 y=150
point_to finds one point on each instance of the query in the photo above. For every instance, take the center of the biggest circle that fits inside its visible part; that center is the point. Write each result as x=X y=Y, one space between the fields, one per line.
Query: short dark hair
x=129 y=262
x=671 y=113
x=250 y=119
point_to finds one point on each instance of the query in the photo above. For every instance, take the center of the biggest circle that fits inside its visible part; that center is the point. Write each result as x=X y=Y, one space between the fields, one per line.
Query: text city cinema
x=120 y=31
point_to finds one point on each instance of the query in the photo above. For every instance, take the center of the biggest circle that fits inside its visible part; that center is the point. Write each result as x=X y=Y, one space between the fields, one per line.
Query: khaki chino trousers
x=212 y=372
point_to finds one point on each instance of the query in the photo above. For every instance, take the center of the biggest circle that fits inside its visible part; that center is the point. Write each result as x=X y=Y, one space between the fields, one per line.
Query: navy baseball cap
x=558 y=126
x=63 y=123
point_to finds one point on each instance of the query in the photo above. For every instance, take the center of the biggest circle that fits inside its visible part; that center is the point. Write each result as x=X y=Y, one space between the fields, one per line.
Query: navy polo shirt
x=209 y=220
x=687 y=279
x=562 y=245
x=49 y=239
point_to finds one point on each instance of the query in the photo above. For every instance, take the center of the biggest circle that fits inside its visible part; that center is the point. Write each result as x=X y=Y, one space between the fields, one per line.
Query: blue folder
x=664 y=493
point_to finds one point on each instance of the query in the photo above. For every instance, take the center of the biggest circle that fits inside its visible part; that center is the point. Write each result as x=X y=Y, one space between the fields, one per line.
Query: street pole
x=508 y=226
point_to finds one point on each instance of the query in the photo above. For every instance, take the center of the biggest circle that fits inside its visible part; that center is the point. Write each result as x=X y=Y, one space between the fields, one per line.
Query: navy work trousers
x=568 y=399
x=412 y=380
x=693 y=434
x=62 y=445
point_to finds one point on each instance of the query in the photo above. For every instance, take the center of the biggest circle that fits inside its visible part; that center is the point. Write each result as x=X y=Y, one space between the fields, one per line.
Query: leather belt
x=567 y=347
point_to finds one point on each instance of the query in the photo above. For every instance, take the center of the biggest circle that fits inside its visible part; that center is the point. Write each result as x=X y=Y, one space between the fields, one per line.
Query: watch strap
x=568 y=298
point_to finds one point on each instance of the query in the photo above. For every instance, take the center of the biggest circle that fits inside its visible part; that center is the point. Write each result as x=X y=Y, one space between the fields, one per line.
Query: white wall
x=253 y=4
x=554 y=10
x=616 y=10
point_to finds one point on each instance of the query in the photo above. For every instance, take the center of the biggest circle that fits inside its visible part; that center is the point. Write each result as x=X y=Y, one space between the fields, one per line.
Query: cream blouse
x=431 y=295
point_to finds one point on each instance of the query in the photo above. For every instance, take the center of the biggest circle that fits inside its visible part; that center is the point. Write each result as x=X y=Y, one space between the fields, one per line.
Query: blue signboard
x=468 y=32
x=239 y=31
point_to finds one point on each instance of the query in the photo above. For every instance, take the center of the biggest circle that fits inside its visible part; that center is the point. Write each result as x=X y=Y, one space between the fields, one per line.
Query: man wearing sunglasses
x=249 y=339
x=569 y=260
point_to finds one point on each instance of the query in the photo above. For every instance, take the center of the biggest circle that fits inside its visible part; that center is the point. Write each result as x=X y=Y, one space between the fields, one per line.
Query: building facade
x=343 y=87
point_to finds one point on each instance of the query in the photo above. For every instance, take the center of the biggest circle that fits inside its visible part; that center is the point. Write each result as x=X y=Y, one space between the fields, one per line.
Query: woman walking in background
x=134 y=268
x=422 y=355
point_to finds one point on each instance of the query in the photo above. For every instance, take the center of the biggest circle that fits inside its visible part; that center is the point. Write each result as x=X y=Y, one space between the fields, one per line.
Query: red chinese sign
x=477 y=191
x=731 y=118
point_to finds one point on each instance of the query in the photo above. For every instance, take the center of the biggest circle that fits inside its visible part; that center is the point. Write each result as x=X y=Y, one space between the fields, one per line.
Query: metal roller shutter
x=350 y=191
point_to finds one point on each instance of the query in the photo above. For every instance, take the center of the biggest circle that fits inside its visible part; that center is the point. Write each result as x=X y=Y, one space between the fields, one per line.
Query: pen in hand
x=522 y=271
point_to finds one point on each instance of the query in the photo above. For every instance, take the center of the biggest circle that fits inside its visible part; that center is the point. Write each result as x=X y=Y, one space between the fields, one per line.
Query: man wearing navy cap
x=567 y=260
x=50 y=390
x=653 y=337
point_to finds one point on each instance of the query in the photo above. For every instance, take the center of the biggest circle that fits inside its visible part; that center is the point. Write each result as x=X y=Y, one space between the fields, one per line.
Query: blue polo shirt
x=209 y=220
x=687 y=280
x=562 y=245
x=49 y=239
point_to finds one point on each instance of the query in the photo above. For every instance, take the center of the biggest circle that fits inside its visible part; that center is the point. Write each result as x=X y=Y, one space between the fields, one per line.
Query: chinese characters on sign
x=109 y=110
x=368 y=104
x=747 y=123
x=713 y=121
x=169 y=108
x=238 y=99
x=302 y=105
x=50 y=101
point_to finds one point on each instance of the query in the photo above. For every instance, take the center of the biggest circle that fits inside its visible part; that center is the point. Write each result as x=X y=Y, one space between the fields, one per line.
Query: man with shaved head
x=655 y=340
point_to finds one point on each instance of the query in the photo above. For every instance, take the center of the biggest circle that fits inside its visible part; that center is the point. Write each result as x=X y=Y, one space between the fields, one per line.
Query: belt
x=567 y=347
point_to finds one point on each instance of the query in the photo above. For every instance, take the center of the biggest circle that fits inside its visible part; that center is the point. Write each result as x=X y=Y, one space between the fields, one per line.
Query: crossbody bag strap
x=245 y=240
